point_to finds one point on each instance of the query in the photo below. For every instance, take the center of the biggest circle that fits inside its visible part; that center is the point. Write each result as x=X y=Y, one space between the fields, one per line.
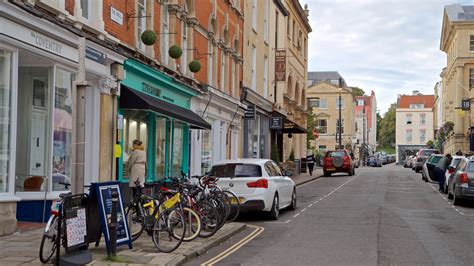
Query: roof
x=244 y=161
x=457 y=12
x=318 y=76
x=405 y=100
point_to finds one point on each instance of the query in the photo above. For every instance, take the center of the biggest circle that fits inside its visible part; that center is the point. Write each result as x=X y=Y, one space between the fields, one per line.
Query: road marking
x=296 y=215
x=303 y=210
x=258 y=230
x=450 y=204
x=310 y=205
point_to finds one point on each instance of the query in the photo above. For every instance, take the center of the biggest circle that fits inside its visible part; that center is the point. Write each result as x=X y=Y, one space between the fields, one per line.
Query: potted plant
x=175 y=51
x=194 y=66
x=148 y=37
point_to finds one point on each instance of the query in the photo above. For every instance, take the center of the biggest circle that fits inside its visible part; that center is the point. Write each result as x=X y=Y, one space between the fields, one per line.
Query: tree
x=387 y=127
x=356 y=91
x=379 y=125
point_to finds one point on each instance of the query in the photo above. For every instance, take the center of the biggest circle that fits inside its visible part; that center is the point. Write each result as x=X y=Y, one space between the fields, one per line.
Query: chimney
x=416 y=92
x=306 y=10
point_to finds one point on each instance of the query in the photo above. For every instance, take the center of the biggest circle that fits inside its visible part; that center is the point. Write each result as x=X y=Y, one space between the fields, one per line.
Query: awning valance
x=287 y=125
x=132 y=99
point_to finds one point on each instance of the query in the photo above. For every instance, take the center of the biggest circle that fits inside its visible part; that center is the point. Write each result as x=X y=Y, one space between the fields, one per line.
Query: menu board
x=76 y=228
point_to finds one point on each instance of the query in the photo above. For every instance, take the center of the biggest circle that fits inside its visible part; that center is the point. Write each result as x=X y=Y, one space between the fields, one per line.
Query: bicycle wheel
x=209 y=218
x=135 y=222
x=48 y=242
x=234 y=208
x=193 y=225
x=169 y=230
x=220 y=206
x=226 y=205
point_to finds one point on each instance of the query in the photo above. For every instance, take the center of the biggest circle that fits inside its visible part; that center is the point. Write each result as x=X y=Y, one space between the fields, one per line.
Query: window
x=360 y=102
x=408 y=135
x=319 y=103
x=265 y=76
x=141 y=22
x=232 y=81
x=161 y=147
x=294 y=32
x=339 y=126
x=165 y=29
x=85 y=7
x=210 y=60
x=342 y=103
x=471 y=43
x=254 y=15
x=184 y=45
x=422 y=119
x=236 y=170
x=6 y=73
x=269 y=169
x=422 y=136
x=471 y=77
x=408 y=119
x=265 y=22
x=322 y=148
x=288 y=25
x=417 y=106
x=254 y=68
x=178 y=142
x=277 y=169
x=222 y=70
x=322 y=125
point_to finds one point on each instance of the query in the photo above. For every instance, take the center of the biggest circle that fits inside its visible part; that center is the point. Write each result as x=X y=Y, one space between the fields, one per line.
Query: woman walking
x=136 y=165
x=310 y=162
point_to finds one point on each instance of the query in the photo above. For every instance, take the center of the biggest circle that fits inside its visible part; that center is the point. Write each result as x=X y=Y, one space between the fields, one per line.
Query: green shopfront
x=155 y=109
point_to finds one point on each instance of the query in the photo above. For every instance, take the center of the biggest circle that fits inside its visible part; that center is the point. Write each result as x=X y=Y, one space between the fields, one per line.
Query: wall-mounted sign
x=276 y=122
x=116 y=16
x=289 y=125
x=96 y=56
x=466 y=105
x=280 y=65
x=151 y=89
x=250 y=112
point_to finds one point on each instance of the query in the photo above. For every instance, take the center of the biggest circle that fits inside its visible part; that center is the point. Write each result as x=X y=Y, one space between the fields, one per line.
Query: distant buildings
x=366 y=122
x=414 y=123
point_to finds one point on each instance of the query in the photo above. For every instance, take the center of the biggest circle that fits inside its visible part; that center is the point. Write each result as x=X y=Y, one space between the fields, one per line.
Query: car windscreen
x=428 y=152
x=435 y=159
x=470 y=167
x=337 y=154
x=236 y=170
x=455 y=162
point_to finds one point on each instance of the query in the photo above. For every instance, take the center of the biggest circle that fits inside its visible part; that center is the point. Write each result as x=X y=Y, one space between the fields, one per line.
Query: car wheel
x=326 y=174
x=293 y=200
x=275 y=211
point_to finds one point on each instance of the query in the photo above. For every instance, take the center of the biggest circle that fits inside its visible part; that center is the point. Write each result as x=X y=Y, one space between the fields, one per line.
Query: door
x=37 y=142
x=286 y=185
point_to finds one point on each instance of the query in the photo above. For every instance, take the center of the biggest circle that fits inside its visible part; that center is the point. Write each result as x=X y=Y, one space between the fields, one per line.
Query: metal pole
x=340 y=121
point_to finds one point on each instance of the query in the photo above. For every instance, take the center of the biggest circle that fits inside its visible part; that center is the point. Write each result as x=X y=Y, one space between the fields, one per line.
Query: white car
x=454 y=164
x=259 y=184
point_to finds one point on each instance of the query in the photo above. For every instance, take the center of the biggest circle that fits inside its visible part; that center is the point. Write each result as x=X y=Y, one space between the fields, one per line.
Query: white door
x=37 y=142
x=285 y=185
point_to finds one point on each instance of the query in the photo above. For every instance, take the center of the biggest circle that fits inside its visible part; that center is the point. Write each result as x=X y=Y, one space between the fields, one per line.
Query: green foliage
x=148 y=37
x=194 y=66
x=357 y=91
x=430 y=144
x=275 y=153
x=118 y=259
x=386 y=132
x=175 y=51
x=291 y=158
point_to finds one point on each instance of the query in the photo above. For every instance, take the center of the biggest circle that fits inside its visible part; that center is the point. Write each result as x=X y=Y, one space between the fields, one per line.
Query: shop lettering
x=151 y=90
x=47 y=43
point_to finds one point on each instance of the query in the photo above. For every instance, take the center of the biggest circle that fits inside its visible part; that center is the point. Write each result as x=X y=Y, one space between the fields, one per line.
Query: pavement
x=380 y=216
x=22 y=247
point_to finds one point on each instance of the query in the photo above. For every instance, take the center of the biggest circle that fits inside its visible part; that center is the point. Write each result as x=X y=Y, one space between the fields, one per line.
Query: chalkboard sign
x=104 y=198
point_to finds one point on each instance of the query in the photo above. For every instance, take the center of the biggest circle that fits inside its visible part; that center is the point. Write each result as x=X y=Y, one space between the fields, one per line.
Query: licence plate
x=331 y=169
x=234 y=200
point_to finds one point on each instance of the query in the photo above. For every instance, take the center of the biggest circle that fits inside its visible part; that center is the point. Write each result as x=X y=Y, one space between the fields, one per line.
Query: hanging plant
x=175 y=51
x=149 y=37
x=194 y=66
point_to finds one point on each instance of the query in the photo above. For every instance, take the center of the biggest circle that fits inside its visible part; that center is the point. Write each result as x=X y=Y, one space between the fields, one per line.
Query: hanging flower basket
x=175 y=51
x=149 y=37
x=194 y=66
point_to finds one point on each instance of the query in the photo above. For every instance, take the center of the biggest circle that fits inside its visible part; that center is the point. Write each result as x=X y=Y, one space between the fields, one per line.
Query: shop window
x=178 y=141
x=5 y=116
x=255 y=137
x=135 y=127
x=160 y=162
x=62 y=134
x=33 y=131
x=206 y=150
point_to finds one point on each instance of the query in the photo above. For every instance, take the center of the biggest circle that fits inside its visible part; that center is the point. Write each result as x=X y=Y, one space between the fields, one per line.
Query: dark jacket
x=310 y=159
x=443 y=163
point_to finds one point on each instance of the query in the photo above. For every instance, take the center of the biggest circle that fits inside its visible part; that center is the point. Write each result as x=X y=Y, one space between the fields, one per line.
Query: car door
x=286 y=184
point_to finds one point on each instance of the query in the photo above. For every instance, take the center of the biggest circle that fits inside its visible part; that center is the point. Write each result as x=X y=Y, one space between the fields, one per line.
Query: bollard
x=113 y=225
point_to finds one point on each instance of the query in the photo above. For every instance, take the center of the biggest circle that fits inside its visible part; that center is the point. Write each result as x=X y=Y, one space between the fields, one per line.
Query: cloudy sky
x=389 y=46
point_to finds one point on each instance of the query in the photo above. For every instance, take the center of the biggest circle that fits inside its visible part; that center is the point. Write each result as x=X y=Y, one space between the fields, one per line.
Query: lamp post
x=340 y=121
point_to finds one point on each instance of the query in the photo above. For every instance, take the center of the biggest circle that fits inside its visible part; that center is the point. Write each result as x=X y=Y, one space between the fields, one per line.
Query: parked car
x=428 y=168
x=338 y=161
x=461 y=185
x=423 y=154
x=413 y=161
x=374 y=162
x=407 y=162
x=383 y=159
x=451 y=170
x=259 y=184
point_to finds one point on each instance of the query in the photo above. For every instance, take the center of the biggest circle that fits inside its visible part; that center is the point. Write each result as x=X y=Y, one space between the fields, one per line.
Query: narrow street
x=380 y=216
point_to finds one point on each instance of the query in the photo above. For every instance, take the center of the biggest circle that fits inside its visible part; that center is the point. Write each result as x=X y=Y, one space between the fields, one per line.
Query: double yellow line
x=256 y=232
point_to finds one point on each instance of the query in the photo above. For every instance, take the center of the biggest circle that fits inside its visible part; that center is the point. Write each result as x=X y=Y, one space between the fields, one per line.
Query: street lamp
x=340 y=121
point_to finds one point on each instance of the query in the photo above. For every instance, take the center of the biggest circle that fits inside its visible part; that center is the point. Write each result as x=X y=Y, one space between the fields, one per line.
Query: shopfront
x=256 y=125
x=156 y=110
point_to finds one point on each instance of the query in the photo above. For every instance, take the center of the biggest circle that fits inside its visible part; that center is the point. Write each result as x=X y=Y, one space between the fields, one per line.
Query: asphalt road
x=380 y=216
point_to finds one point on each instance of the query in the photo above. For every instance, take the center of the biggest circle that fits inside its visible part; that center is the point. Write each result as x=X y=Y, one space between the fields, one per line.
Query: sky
x=388 y=46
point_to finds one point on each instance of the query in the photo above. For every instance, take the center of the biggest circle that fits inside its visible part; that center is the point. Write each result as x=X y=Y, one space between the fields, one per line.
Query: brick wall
x=69 y=5
x=126 y=32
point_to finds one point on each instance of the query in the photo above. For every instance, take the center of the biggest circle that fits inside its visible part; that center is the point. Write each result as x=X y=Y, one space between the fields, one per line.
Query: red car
x=338 y=161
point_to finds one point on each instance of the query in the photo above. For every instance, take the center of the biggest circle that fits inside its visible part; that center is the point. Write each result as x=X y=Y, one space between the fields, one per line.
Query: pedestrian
x=459 y=153
x=136 y=165
x=440 y=170
x=310 y=160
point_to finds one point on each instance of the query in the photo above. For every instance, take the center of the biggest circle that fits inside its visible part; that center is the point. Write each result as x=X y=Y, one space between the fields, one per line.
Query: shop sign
x=466 y=105
x=151 y=90
x=120 y=122
x=280 y=65
x=36 y=39
x=96 y=56
x=116 y=16
x=289 y=125
x=276 y=122
x=250 y=112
